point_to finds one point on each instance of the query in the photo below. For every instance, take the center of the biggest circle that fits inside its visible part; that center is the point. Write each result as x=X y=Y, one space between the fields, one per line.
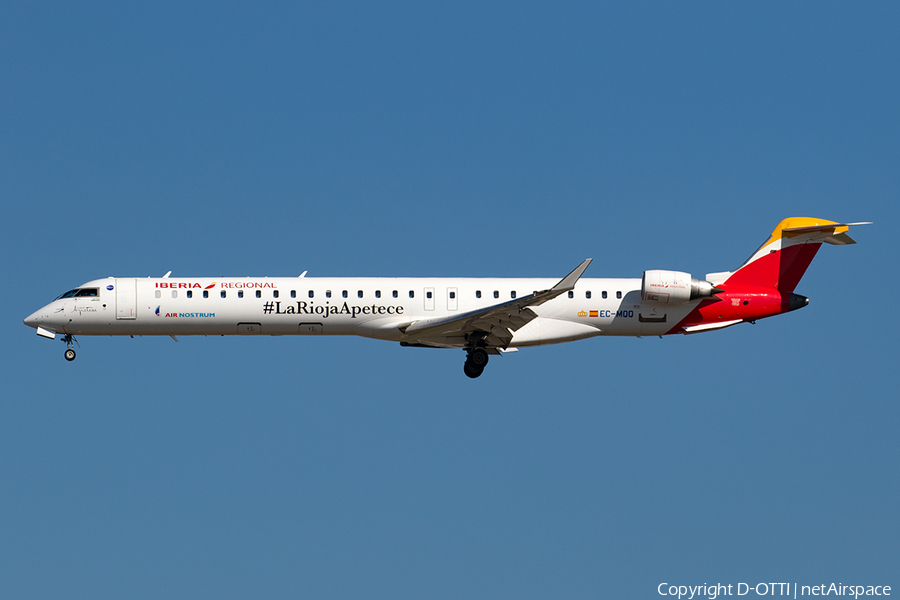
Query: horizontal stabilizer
x=838 y=232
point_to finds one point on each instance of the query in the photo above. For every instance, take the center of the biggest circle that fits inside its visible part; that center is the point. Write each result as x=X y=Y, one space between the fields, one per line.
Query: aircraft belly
x=542 y=331
x=381 y=329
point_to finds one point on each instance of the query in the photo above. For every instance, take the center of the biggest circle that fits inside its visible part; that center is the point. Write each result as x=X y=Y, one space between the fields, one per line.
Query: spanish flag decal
x=594 y=313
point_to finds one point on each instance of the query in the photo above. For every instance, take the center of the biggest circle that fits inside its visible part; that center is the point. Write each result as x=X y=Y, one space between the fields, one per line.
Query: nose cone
x=33 y=320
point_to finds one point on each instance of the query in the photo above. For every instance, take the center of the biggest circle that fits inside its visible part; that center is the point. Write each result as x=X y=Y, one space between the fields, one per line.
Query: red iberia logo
x=224 y=284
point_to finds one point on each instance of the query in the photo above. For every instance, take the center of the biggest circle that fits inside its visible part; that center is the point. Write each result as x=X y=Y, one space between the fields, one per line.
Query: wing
x=494 y=325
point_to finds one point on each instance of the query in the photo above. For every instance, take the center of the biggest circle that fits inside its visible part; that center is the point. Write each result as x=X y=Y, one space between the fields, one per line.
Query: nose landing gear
x=70 y=341
x=475 y=362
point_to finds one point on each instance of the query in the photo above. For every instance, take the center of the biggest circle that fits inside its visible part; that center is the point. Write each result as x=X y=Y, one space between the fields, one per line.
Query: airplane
x=483 y=316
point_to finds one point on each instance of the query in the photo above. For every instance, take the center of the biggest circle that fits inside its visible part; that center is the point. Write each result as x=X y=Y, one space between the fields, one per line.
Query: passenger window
x=174 y=293
x=452 y=295
x=240 y=293
x=428 y=295
x=603 y=294
x=478 y=293
x=359 y=294
x=344 y=294
x=328 y=293
x=512 y=294
x=571 y=294
x=205 y=294
x=496 y=294
x=190 y=294
x=312 y=294
x=258 y=294
x=293 y=293
x=275 y=294
x=222 y=293
x=157 y=294
x=394 y=293
x=412 y=294
x=378 y=293
x=619 y=295
x=587 y=295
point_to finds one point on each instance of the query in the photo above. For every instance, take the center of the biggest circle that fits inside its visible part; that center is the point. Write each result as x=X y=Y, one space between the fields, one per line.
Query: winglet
x=568 y=282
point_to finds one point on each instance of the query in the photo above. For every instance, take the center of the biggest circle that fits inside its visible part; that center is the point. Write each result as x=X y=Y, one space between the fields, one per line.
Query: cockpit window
x=80 y=293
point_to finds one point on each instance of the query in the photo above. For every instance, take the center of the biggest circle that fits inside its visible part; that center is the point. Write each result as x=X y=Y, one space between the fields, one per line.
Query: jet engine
x=674 y=287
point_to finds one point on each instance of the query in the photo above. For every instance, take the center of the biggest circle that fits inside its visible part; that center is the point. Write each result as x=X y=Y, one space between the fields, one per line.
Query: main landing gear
x=70 y=342
x=475 y=362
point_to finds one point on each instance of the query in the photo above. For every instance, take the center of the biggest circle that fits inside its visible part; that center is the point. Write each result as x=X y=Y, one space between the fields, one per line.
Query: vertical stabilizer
x=784 y=257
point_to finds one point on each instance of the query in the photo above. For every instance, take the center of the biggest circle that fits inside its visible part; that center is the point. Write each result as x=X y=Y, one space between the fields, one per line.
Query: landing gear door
x=126 y=299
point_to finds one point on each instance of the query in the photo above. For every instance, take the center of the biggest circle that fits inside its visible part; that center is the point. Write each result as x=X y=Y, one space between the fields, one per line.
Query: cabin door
x=126 y=298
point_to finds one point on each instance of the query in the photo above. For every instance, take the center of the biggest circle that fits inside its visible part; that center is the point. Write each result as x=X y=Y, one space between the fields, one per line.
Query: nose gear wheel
x=70 y=341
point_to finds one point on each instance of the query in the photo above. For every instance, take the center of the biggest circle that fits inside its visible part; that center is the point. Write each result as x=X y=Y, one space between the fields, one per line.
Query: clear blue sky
x=470 y=139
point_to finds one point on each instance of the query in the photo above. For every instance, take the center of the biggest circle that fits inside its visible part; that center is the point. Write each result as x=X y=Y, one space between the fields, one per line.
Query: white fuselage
x=483 y=316
x=369 y=307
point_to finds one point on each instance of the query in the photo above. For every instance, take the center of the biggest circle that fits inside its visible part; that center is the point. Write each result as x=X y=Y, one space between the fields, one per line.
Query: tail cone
x=797 y=301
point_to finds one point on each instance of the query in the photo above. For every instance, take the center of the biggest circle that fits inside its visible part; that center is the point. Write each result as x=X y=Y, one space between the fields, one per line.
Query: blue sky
x=463 y=139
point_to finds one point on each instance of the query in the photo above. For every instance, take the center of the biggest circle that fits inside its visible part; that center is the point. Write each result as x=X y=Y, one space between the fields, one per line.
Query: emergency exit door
x=451 y=299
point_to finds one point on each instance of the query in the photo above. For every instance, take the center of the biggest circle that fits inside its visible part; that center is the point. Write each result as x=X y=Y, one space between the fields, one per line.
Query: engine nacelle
x=674 y=287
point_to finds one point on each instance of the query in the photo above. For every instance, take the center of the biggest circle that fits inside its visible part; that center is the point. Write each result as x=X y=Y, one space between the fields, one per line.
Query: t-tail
x=764 y=285
x=783 y=259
